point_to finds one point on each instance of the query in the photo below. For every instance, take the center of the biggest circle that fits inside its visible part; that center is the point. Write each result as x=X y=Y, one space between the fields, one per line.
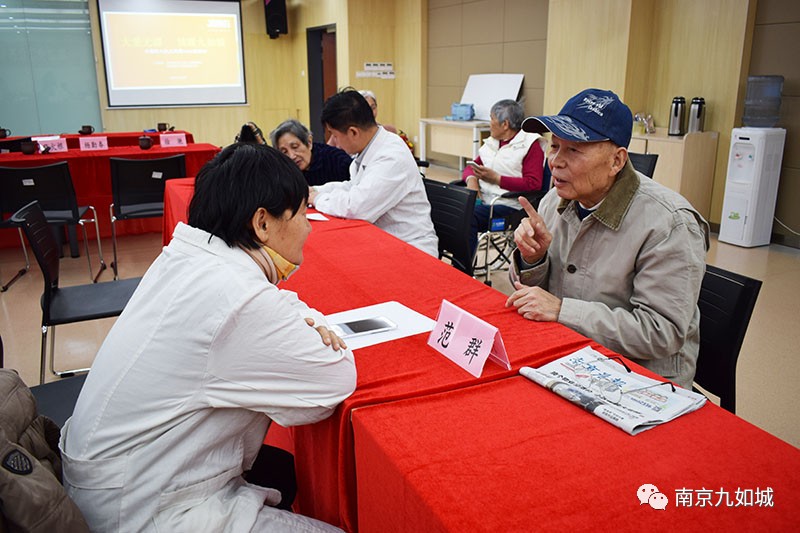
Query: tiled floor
x=768 y=372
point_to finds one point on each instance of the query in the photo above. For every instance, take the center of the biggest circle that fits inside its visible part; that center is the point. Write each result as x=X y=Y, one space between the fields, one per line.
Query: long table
x=454 y=137
x=115 y=139
x=350 y=264
x=512 y=456
x=91 y=176
x=122 y=138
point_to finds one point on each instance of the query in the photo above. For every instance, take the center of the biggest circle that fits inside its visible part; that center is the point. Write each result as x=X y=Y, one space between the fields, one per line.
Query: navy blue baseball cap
x=589 y=116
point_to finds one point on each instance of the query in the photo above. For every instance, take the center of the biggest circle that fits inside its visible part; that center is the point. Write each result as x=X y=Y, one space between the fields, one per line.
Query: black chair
x=726 y=304
x=502 y=240
x=66 y=305
x=56 y=400
x=51 y=186
x=644 y=163
x=137 y=190
x=451 y=213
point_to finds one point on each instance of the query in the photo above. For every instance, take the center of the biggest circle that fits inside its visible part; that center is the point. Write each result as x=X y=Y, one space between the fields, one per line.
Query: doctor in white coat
x=385 y=187
x=207 y=353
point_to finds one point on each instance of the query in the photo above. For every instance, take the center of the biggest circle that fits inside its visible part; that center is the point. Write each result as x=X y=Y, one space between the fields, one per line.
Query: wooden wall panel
x=776 y=47
x=467 y=37
x=649 y=51
x=372 y=38
x=640 y=55
x=703 y=49
x=411 y=65
x=593 y=52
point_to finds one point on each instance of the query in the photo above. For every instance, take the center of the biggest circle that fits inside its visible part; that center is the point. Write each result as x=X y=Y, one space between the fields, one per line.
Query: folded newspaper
x=608 y=389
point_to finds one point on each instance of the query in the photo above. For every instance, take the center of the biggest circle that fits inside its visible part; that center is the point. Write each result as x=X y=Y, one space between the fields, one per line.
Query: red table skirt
x=527 y=456
x=513 y=456
x=350 y=264
x=91 y=176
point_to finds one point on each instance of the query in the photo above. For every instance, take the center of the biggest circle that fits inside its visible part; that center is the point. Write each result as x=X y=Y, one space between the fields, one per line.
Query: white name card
x=172 y=139
x=93 y=143
x=467 y=340
x=53 y=145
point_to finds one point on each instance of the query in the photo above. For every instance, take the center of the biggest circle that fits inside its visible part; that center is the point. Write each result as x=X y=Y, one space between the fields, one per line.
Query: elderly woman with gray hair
x=319 y=163
x=509 y=160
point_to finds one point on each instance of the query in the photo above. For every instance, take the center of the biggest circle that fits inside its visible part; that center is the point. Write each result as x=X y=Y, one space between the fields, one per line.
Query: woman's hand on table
x=329 y=338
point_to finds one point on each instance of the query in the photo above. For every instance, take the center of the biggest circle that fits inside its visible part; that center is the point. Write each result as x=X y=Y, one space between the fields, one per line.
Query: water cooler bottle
x=751 y=187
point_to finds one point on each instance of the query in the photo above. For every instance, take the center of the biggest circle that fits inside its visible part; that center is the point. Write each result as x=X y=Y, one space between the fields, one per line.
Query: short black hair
x=230 y=188
x=345 y=109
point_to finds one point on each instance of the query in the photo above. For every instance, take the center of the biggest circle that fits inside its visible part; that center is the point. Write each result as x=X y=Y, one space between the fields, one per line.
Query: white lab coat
x=385 y=189
x=182 y=391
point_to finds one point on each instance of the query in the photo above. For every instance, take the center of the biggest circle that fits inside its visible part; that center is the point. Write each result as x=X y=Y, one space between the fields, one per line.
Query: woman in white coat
x=207 y=353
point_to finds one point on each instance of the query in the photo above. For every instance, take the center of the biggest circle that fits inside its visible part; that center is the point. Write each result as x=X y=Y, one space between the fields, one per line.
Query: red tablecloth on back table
x=122 y=138
x=91 y=175
x=513 y=456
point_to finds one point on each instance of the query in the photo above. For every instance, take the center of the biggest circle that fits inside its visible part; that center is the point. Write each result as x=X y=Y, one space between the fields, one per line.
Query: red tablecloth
x=178 y=193
x=512 y=456
x=350 y=267
x=122 y=138
x=91 y=175
x=350 y=264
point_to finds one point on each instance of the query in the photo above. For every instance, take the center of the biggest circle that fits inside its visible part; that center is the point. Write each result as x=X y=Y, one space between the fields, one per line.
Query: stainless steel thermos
x=697 y=114
x=677 y=116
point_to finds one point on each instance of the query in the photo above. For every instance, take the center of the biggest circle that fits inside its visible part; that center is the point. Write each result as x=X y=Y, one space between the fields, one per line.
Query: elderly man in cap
x=611 y=253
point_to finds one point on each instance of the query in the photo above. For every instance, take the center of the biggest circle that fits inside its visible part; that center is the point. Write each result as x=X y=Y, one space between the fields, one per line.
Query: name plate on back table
x=467 y=340
x=172 y=139
x=53 y=145
x=93 y=143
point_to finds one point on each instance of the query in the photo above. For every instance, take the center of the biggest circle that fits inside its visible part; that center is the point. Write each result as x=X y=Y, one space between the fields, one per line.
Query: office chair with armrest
x=51 y=186
x=451 y=213
x=644 y=163
x=726 y=304
x=66 y=305
x=500 y=233
x=137 y=189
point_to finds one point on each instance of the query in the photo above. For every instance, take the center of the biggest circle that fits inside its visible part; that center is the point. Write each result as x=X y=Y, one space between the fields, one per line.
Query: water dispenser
x=751 y=186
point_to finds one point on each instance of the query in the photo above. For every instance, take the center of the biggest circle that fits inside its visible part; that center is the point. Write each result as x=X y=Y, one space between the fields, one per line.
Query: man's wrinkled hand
x=532 y=236
x=534 y=303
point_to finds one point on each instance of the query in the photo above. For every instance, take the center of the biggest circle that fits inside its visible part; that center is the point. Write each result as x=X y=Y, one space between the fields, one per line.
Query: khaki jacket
x=30 y=466
x=628 y=274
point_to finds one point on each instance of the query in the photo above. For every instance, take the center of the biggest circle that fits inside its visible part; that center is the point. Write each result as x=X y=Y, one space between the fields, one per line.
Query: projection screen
x=172 y=52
